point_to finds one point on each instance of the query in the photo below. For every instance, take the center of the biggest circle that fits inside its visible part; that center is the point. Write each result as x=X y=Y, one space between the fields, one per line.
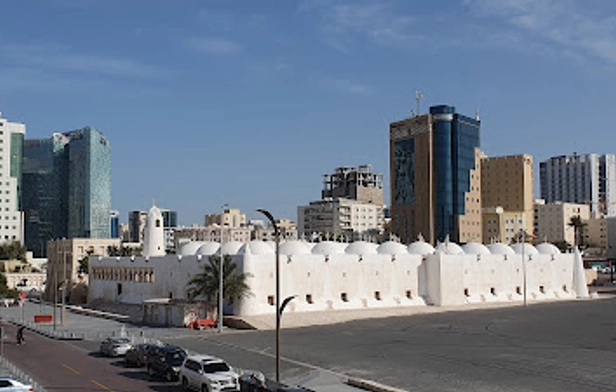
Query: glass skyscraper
x=435 y=191
x=67 y=187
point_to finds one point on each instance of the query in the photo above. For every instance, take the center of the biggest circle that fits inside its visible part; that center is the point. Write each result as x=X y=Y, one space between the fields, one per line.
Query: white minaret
x=154 y=235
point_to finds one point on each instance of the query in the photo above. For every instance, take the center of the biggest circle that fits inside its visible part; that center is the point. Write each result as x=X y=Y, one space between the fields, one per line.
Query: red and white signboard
x=22 y=296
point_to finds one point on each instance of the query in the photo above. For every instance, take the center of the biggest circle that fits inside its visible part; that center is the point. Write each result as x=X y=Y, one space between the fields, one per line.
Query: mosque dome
x=208 y=248
x=231 y=247
x=420 y=248
x=256 y=248
x=546 y=248
x=528 y=249
x=392 y=248
x=361 y=248
x=190 y=248
x=328 y=248
x=498 y=248
x=450 y=248
x=294 y=247
x=475 y=248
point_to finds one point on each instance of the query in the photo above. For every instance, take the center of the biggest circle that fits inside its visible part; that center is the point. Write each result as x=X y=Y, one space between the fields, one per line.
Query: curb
x=372 y=386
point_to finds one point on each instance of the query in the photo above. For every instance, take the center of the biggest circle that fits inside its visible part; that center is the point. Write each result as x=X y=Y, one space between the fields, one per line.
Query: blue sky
x=250 y=102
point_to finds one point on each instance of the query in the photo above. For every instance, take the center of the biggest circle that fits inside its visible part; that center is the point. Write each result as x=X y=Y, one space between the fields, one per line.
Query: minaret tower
x=154 y=235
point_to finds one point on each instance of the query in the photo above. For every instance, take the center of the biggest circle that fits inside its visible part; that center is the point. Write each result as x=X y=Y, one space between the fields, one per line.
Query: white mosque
x=329 y=276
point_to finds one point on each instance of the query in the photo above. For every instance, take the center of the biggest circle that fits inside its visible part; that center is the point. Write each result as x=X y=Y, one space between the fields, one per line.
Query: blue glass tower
x=432 y=158
x=67 y=188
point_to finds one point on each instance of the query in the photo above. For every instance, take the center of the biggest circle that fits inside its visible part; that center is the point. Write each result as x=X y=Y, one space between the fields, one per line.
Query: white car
x=115 y=347
x=208 y=374
x=8 y=384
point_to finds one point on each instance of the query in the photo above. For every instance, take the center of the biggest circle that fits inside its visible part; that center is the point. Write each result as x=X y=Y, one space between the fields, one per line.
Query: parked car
x=8 y=384
x=207 y=373
x=165 y=362
x=115 y=347
x=138 y=354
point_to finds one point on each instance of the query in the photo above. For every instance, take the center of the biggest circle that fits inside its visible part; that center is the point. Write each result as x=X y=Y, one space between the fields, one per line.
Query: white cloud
x=576 y=27
x=59 y=58
x=342 y=23
x=213 y=45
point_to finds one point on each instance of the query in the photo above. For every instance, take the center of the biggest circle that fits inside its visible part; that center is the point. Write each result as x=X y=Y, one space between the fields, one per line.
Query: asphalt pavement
x=549 y=346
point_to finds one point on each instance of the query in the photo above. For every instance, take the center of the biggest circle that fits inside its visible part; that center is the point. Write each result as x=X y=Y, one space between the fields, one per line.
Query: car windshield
x=120 y=340
x=175 y=358
x=216 y=367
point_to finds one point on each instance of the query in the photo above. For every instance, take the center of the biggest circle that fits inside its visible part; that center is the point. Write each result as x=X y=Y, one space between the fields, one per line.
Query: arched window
x=157 y=222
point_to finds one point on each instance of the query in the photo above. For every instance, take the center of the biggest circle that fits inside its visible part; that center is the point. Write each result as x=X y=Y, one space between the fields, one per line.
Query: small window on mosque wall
x=157 y=222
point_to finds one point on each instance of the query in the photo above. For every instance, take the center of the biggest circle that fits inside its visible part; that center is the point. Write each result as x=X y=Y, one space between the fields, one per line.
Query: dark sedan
x=138 y=355
x=166 y=361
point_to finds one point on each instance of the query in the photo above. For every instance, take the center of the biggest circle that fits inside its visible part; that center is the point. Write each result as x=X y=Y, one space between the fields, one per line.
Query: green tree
x=206 y=283
x=13 y=251
x=84 y=263
x=578 y=225
x=4 y=290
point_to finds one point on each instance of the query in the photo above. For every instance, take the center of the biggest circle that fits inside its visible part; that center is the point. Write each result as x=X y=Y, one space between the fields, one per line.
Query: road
x=558 y=346
x=61 y=367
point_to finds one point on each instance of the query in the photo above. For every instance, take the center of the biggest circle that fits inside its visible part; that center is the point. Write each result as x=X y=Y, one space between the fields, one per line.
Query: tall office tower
x=68 y=183
x=11 y=159
x=507 y=182
x=436 y=177
x=136 y=224
x=583 y=179
x=354 y=183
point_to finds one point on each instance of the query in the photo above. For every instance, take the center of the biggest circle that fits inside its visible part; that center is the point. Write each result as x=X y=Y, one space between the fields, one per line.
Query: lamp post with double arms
x=278 y=310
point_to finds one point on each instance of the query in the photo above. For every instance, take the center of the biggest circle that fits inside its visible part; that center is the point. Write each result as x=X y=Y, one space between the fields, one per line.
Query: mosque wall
x=344 y=281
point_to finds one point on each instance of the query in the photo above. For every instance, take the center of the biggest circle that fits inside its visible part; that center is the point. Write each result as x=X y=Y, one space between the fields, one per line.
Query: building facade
x=63 y=258
x=341 y=219
x=436 y=177
x=354 y=183
x=552 y=221
x=68 y=183
x=230 y=217
x=507 y=182
x=582 y=179
x=11 y=160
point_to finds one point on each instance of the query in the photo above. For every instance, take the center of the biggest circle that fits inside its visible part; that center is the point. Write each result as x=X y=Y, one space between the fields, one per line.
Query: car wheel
x=169 y=375
x=184 y=384
x=138 y=363
x=150 y=371
x=205 y=388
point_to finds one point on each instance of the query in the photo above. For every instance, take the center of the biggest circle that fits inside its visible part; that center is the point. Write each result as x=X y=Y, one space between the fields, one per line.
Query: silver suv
x=208 y=374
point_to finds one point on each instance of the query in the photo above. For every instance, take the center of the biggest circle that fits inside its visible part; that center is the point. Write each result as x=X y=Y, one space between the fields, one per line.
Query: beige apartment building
x=230 y=217
x=507 y=187
x=211 y=233
x=552 y=221
x=501 y=226
x=63 y=258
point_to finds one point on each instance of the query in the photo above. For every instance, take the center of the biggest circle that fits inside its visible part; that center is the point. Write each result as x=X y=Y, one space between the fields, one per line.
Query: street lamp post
x=63 y=314
x=278 y=310
x=221 y=297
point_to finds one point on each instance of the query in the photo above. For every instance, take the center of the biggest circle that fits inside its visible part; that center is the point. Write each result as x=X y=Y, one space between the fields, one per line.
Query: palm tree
x=577 y=224
x=206 y=283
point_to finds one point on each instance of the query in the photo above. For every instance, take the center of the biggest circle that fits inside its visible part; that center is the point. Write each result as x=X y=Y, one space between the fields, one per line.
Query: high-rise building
x=553 y=222
x=507 y=183
x=11 y=159
x=436 y=177
x=68 y=183
x=583 y=179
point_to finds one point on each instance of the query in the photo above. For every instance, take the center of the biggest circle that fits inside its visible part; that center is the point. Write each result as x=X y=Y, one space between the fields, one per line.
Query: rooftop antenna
x=418 y=98
x=477 y=114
